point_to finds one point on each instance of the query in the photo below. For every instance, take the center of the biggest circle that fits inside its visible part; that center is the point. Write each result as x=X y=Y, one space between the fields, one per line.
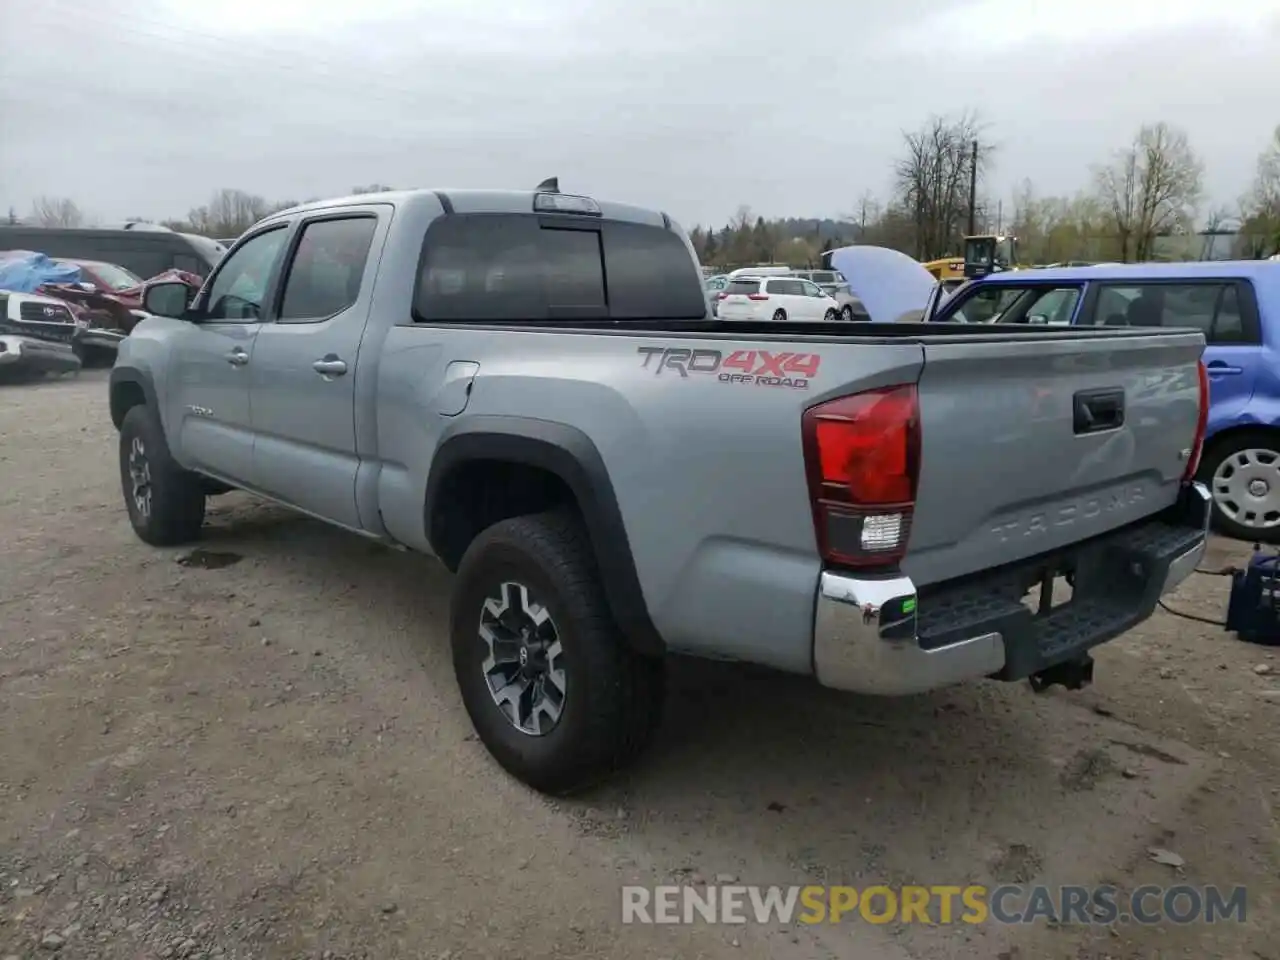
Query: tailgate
x=1029 y=445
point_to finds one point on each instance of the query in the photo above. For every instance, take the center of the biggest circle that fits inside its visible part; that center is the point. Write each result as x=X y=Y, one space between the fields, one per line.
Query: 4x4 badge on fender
x=760 y=367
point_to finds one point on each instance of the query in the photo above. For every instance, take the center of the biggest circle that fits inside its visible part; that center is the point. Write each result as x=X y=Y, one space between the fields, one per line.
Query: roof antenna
x=549 y=185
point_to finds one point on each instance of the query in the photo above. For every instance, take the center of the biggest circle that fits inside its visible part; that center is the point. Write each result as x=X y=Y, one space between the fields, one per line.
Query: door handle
x=1218 y=368
x=330 y=366
x=237 y=357
x=1098 y=410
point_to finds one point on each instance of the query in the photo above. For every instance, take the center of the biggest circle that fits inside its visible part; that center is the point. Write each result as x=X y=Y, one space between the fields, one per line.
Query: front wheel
x=831 y=316
x=552 y=689
x=1242 y=473
x=846 y=313
x=165 y=502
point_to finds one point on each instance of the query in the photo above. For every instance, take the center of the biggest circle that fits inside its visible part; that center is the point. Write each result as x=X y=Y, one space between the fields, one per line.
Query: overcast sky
x=144 y=107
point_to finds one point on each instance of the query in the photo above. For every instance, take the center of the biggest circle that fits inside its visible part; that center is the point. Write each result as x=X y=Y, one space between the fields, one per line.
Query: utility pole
x=973 y=189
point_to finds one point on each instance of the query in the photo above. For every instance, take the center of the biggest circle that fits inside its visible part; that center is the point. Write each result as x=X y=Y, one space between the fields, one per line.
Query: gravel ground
x=263 y=755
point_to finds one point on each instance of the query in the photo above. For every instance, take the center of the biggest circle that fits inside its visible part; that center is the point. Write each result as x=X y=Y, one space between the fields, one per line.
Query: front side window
x=1212 y=308
x=812 y=289
x=1009 y=303
x=328 y=265
x=237 y=292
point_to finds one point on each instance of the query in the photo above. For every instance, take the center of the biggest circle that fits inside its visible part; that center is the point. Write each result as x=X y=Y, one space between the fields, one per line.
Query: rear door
x=787 y=294
x=1224 y=310
x=303 y=376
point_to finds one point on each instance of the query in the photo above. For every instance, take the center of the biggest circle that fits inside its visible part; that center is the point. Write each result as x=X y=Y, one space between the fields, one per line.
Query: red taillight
x=1202 y=423
x=721 y=295
x=862 y=454
x=757 y=296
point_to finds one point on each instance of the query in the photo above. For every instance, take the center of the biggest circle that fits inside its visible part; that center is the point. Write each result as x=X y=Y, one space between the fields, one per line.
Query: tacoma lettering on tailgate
x=757 y=367
x=1064 y=515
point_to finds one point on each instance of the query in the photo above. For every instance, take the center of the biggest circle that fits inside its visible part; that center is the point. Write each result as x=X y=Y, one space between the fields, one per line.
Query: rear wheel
x=1242 y=472
x=553 y=690
x=846 y=313
x=165 y=502
x=779 y=316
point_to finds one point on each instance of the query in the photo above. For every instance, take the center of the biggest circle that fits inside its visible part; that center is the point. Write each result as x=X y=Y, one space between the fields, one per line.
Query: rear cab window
x=512 y=268
x=1223 y=310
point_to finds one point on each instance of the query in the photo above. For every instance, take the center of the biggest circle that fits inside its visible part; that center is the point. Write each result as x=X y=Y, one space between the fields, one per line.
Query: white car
x=776 y=298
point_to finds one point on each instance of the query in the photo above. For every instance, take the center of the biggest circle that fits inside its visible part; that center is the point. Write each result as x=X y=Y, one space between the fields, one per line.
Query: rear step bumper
x=885 y=637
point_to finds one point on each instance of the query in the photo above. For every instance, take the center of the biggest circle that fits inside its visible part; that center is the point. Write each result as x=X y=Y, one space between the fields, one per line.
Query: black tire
x=1214 y=456
x=174 y=511
x=831 y=316
x=779 y=316
x=613 y=695
x=846 y=313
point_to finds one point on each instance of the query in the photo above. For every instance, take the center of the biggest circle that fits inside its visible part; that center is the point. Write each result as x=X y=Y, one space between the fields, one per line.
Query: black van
x=143 y=248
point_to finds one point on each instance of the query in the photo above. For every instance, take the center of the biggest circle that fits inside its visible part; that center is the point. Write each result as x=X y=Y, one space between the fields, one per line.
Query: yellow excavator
x=983 y=254
x=989 y=253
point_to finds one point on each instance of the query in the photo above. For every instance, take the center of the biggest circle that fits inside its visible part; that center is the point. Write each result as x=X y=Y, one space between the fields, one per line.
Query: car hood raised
x=889 y=283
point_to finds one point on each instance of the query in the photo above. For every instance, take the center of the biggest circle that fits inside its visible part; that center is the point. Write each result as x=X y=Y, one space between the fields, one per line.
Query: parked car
x=526 y=384
x=110 y=277
x=37 y=334
x=145 y=252
x=834 y=284
x=766 y=270
x=715 y=286
x=777 y=299
x=1235 y=304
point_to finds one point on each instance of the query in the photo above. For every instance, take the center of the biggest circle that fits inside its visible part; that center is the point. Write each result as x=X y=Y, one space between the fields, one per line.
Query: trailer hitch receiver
x=1073 y=675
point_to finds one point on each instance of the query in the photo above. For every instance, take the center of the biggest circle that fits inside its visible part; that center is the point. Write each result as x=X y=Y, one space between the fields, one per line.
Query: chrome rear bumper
x=879 y=636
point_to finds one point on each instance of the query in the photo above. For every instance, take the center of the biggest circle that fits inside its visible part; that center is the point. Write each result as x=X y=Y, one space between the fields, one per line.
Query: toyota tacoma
x=528 y=386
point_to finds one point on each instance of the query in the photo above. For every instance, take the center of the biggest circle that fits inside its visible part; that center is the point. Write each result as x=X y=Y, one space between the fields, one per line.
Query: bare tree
x=933 y=179
x=56 y=212
x=372 y=188
x=865 y=214
x=229 y=213
x=1260 y=231
x=1151 y=188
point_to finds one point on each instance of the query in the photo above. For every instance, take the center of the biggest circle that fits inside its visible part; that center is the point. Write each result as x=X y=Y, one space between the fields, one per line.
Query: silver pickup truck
x=527 y=385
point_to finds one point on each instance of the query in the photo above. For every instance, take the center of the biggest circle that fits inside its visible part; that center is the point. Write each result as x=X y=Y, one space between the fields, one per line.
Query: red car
x=108 y=277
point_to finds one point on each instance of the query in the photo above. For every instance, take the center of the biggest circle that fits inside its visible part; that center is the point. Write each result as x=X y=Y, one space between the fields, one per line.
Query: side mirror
x=167 y=299
x=1038 y=318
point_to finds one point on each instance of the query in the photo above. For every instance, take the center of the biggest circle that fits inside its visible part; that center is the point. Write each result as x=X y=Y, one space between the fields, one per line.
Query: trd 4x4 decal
x=760 y=367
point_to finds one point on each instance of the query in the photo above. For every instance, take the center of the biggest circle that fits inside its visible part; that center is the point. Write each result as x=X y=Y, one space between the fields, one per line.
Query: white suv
x=775 y=298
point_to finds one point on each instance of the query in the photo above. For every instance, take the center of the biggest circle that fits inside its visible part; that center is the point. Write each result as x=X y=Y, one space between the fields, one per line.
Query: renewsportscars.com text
x=974 y=904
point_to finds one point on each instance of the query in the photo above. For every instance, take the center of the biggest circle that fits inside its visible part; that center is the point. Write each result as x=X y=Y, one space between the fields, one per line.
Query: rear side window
x=1215 y=309
x=520 y=267
x=328 y=264
x=793 y=288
